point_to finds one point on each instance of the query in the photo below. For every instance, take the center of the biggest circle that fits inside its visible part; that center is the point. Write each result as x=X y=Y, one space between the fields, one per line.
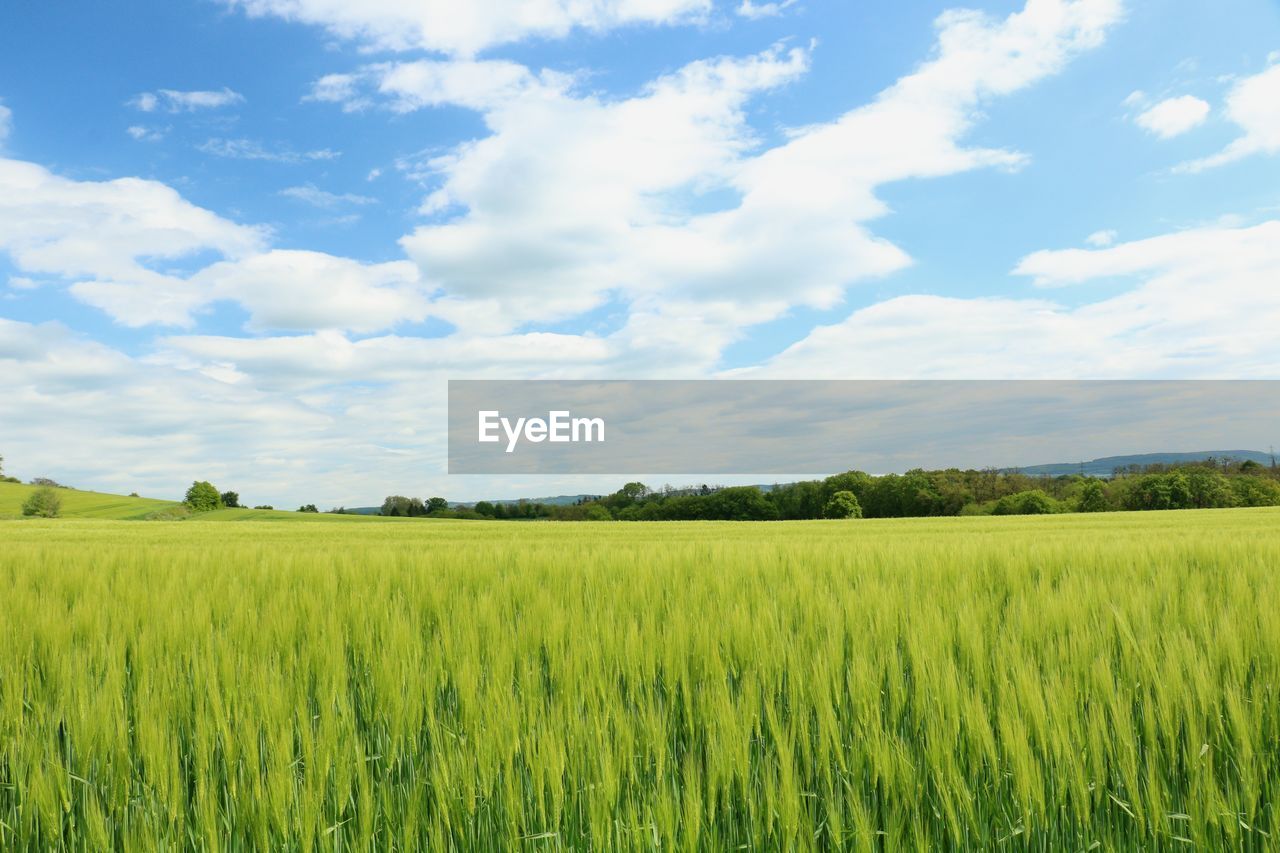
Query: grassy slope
x=78 y=504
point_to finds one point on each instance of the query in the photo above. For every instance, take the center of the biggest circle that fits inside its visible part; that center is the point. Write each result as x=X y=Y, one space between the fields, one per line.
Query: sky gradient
x=250 y=240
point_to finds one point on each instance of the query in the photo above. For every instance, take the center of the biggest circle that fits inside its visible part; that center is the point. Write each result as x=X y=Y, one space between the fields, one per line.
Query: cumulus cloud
x=1254 y=105
x=464 y=29
x=174 y=101
x=1204 y=305
x=118 y=233
x=573 y=199
x=1173 y=116
x=1101 y=239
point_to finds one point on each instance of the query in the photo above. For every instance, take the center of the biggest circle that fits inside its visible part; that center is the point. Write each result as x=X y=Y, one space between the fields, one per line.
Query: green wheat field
x=1089 y=682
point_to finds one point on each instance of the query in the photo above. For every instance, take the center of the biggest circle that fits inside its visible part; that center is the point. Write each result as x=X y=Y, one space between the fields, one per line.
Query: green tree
x=202 y=496
x=1255 y=491
x=843 y=504
x=1209 y=488
x=858 y=482
x=634 y=491
x=484 y=508
x=739 y=503
x=396 y=505
x=435 y=505
x=595 y=512
x=231 y=499
x=308 y=508
x=43 y=503
x=1093 y=497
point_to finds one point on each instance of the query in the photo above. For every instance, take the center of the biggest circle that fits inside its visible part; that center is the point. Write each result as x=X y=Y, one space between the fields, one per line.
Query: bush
x=308 y=508
x=202 y=496
x=43 y=503
x=1033 y=502
x=843 y=504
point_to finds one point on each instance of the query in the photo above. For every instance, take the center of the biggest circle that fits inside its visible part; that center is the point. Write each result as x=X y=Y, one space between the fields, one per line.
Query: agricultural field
x=1069 y=682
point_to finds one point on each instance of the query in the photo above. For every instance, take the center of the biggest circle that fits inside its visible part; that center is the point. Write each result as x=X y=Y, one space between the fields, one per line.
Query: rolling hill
x=79 y=504
x=1107 y=465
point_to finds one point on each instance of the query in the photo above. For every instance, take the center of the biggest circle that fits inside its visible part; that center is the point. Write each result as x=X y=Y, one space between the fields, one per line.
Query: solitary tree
x=202 y=496
x=231 y=499
x=843 y=504
x=43 y=503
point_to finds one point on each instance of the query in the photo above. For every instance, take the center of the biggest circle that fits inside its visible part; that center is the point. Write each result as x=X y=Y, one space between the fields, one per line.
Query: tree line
x=919 y=493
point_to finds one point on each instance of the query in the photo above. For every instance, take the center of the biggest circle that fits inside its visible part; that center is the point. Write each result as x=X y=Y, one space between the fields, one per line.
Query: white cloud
x=174 y=101
x=755 y=11
x=1174 y=116
x=111 y=233
x=146 y=102
x=122 y=246
x=1101 y=239
x=1136 y=98
x=281 y=289
x=313 y=418
x=572 y=199
x=249 y=149
x=316 y=197
x=1204 y=306
x=408 y=86
x=322 y=447
x=1254 y=105
x=303 y=362
x=146 y=134
x=6 y=122
x=300 y=290
x=464 y=29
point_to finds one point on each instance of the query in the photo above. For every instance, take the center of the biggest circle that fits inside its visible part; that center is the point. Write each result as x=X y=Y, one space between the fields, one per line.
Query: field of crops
x=1059 y=683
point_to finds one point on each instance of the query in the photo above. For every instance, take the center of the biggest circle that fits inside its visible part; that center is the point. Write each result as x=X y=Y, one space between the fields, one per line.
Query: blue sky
x=251 y=239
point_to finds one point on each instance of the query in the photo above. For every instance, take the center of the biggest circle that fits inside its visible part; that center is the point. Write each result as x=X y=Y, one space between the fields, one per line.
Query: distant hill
x=1107 y=465
x=79 y=504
